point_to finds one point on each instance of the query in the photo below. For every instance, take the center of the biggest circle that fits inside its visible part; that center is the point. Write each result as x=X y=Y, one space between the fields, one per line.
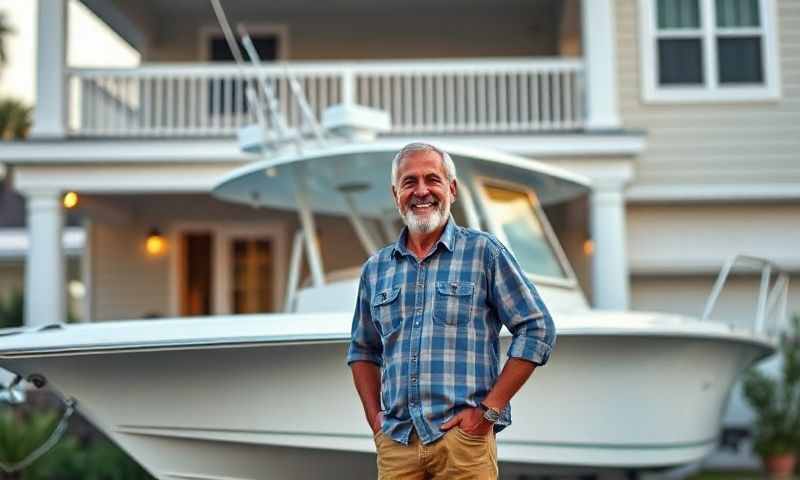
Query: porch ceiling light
x=155 y=244
x=70 y=200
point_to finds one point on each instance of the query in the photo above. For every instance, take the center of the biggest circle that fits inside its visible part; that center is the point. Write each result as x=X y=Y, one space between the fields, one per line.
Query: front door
x=252 y=267
x=228 y=270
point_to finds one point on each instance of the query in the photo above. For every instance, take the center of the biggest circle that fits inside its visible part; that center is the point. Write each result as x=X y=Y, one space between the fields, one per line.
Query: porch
x=546 y=66
x=492 y=96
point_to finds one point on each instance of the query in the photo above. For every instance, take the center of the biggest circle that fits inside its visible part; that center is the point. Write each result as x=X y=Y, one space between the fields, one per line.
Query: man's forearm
x=515 y=373
x=367 y=379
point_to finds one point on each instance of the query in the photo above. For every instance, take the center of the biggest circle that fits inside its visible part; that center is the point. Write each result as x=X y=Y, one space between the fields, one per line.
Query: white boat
x=270 y=396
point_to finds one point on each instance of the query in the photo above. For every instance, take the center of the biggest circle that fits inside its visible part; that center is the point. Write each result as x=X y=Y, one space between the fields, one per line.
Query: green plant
x=11 y=310
x=15 y=119
x=776 y=401
x=25 y=428
x=22 y=433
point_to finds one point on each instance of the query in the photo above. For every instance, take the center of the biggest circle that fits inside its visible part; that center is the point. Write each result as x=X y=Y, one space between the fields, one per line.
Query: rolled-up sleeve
x=365 y=340
x=520 y=308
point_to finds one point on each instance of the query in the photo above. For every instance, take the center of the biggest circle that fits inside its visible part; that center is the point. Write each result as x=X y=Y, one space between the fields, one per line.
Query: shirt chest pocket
x=453 y=302
x=386 y=310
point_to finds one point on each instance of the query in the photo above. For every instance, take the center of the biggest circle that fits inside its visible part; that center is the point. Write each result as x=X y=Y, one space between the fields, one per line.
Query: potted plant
x=776 y=403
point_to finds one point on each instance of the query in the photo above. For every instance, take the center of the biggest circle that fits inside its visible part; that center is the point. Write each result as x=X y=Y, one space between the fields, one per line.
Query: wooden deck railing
x=453 y=96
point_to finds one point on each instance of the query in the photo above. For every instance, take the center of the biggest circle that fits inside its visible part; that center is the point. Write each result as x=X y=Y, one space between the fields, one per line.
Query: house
x=684 y=113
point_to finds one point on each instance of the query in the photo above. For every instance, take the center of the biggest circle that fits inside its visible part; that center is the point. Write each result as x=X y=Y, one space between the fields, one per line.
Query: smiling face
x=423 y=193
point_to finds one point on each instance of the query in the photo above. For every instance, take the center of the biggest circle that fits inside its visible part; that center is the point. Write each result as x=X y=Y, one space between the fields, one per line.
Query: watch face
x=491 y=415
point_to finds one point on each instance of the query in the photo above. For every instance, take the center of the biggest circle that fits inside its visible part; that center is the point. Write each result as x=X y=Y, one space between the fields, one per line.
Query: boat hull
x=264 y=411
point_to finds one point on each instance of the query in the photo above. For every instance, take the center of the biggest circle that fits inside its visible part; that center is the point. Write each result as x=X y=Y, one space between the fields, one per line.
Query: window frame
x=569 y=281
x=711 y=90
x=255 y=29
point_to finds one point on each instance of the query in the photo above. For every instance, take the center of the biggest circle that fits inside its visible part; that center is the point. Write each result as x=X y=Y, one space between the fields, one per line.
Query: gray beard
x=417 y=224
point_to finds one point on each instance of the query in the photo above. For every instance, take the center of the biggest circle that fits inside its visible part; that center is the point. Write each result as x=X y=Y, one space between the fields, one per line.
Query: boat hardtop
x=364 y=169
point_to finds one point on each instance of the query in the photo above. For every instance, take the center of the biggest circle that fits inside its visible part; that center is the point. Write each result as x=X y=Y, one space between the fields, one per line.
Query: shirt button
x=416 y=323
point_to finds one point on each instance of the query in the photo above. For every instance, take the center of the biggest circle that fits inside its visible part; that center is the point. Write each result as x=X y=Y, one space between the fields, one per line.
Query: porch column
x=45 y=290
x=600 y=60
x=50 y=114
x=610 y=283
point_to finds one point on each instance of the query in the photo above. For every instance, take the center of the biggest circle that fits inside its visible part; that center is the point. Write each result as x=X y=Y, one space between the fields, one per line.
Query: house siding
x=127 y=283
x=130 y=284
x=503 y=33
x=687 y=295
x=699 y=238
x=748 y=142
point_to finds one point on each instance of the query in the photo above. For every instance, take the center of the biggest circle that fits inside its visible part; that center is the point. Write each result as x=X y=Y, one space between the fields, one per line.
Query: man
x=425 y=332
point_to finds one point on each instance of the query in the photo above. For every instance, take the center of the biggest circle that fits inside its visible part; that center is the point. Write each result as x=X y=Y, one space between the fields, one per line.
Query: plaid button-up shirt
x=433 y=325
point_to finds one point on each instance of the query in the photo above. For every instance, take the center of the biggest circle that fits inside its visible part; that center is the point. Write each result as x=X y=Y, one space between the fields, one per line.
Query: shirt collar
x=447 y=239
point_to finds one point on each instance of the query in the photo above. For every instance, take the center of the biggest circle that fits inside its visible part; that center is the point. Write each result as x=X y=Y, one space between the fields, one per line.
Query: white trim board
x=711 y=192
x=14 y=242
x=711 y=91
x=104 y=178
x=104 y=151
x=227 y=150
x=568 y=144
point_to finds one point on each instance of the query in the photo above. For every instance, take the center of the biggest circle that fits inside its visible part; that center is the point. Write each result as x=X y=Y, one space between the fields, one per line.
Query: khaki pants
x=455 y=456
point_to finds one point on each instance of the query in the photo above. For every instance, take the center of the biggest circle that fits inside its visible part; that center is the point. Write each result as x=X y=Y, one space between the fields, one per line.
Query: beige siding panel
x=721 y=142
x=686 y=295
x=699 y=238
x=447 y=33
x=128 y=284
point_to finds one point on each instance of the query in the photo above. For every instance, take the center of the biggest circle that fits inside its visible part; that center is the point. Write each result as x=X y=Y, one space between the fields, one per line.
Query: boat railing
x=773 y=292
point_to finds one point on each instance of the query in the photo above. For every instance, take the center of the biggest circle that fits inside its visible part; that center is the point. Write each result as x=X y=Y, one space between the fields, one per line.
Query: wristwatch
x=491 y=415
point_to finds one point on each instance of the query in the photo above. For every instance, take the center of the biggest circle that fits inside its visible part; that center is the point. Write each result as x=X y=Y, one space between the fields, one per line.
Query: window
x=708 y=50
x=519 y=222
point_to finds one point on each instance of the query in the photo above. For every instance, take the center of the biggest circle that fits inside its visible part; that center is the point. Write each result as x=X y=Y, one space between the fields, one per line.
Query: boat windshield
x=517 y=216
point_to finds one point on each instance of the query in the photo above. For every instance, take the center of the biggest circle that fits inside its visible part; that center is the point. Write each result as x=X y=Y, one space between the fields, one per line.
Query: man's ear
x=454 y=189
x=394 y=196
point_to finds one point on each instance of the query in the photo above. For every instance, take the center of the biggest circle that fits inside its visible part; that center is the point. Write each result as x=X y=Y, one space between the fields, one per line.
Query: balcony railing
x=432 y=97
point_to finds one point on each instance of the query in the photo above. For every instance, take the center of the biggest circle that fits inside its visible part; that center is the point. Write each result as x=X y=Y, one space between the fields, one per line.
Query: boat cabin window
x=519 y=219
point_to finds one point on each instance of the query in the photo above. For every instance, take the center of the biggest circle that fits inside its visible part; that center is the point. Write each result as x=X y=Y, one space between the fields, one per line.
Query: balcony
x=422 y=97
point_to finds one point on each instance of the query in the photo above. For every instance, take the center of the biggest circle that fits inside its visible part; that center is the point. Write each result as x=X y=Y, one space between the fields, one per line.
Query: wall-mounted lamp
x=588 y=247
x=155 y=244
x=70 y=200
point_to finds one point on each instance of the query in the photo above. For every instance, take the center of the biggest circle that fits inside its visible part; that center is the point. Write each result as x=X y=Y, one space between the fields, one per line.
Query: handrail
x=52 y=439
x=421 y=96
x=769 y=298
x=336 y=66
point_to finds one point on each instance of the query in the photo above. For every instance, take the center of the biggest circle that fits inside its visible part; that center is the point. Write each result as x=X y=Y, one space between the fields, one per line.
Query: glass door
x=252 y=273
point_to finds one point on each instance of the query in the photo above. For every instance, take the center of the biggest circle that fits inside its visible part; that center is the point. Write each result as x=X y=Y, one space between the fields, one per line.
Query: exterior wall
x=747 y=142
x=687 y=294
x=502 y=33
x=130 y=284
x=699 y=238
x=126 y=283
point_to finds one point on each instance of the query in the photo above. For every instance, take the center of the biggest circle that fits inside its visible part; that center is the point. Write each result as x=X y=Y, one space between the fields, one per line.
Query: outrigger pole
x=276 y=116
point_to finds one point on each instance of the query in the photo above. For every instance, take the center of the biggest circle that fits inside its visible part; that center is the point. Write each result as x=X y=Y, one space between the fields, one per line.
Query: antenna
x=305 y=108
x=271 y=104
